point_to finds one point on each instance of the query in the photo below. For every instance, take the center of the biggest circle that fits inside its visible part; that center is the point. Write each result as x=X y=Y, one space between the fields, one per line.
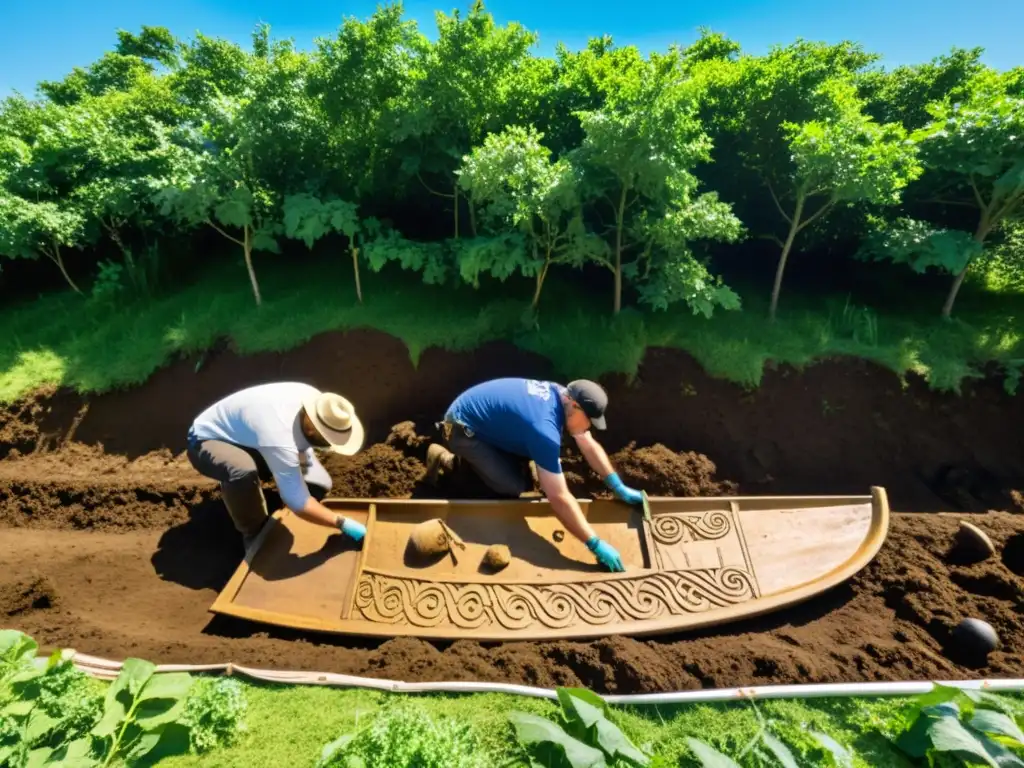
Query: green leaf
x=840 y=754
x=532 y=729
x=264 y=241
x=167 y=685
x=780 y=750
x=37 y=758
x=947 y=734
x=16 y=646
x=591 y=711
x=333 y=748
x=156 y=713
x=39 y=725
x=122 y=692
x=77 y=754
x=996 y=723
x=236 y=210
x=19 y=708
x=709 y=756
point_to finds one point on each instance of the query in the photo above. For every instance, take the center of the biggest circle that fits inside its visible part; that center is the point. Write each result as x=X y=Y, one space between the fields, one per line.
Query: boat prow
x=690 y=563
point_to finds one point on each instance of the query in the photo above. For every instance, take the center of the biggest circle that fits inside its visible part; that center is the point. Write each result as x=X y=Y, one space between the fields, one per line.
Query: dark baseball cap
x=592 y=399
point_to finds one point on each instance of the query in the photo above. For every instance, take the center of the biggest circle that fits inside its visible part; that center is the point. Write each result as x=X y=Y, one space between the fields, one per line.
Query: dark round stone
x=975 y=637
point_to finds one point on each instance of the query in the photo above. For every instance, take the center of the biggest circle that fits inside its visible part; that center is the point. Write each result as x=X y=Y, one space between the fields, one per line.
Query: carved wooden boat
x=691 y=562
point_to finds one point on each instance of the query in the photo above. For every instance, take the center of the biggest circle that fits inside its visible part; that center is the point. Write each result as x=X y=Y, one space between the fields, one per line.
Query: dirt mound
x=32 y=594
x=663 y=472
x=135 y=594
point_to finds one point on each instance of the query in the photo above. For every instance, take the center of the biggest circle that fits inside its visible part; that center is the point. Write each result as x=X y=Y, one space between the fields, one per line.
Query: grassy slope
x=289 y=726
x=60 y=339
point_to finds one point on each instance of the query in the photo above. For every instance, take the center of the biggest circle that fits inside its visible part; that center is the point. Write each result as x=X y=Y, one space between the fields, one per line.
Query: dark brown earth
x=112 y=545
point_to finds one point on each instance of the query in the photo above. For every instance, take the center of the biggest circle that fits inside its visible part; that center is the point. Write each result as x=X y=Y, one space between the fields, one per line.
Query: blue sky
x=42 y=42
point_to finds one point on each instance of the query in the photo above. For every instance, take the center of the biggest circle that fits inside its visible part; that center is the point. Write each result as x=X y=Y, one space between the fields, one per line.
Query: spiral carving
x=427 y=604
x=670 y=529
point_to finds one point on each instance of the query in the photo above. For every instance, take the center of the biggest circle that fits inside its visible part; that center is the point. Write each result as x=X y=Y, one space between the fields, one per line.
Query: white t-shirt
x=266 y=418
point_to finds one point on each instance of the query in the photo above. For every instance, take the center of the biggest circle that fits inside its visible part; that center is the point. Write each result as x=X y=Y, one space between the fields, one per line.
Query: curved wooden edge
x=871 y=544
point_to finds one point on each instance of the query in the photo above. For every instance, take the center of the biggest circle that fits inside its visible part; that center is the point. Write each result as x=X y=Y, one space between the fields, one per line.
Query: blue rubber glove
x=606 y=554
x=624 y=492
x=353 y=529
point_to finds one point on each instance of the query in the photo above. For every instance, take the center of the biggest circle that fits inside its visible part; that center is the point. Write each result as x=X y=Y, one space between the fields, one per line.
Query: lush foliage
x=52 y=714
x=468 y=158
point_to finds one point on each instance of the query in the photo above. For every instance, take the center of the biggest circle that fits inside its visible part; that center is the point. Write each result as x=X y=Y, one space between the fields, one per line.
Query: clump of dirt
x=1018 y=501
x=656 y=469
x=664 y=472
x=378 y=471
x=19 y=424
x=404 y=437
x=25 y=595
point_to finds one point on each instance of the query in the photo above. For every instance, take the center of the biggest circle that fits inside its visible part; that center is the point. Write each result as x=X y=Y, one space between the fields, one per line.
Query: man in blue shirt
x=498 y=426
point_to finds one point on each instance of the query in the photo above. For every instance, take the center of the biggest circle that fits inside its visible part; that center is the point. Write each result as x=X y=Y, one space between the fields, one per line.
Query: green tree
x=639 y=150
x=839 y=155
x=361 y=81
x=29 y=230
x=255 y=146
x=904 y=94
x=309 y=218
x=517 y=184
x=977 y=146
x=464 y=90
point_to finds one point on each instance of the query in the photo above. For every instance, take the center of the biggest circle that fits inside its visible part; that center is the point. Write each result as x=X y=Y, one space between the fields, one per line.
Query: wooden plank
x=350 y=593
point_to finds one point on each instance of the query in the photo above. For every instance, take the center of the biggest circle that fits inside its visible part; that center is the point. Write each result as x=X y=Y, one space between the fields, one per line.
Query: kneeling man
x=271 y=430
x=497 y=426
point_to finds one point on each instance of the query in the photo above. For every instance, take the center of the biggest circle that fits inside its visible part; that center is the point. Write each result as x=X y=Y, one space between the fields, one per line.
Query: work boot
x=439 y=459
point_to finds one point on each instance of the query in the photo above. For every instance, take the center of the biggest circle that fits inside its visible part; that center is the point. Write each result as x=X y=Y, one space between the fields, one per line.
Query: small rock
x=976 y=637
x=497 y=557
x=975 y=540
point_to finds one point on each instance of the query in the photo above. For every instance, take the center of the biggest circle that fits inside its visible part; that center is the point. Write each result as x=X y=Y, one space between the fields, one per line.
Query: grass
x=63 y=340
x=290 y=725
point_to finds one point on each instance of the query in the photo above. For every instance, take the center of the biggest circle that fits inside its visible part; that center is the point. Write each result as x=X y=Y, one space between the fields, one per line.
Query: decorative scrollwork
x=670 y=529
x=395 y=600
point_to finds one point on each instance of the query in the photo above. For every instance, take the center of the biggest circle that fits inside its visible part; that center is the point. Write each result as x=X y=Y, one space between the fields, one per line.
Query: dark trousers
x=239 y=470
x=504 y=473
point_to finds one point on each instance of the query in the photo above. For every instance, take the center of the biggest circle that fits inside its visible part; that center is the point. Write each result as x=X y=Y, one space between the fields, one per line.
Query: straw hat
x=335 y=418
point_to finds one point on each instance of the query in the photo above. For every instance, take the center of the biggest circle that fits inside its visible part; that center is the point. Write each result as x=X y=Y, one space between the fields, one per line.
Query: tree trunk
x=456 y=197
x=620 y=216
x=247 y=247
x=355 y=268
x=979 y=237
x=540 y=282
x=794 y=227
x=472 y=216
x=56 y=258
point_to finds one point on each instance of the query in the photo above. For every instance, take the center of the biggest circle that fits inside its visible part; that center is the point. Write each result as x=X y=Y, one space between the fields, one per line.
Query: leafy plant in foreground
x=973 y=727
x=404 y=734
x=52 y=714
x=586 y=739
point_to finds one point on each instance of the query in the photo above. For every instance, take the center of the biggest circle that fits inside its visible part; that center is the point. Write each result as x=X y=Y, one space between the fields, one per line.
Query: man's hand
x=606 y=554
x=352 y=529
x=623 y=491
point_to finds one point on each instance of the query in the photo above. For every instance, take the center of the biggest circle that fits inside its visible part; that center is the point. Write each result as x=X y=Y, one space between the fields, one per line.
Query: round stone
x=976 y=637
x=974 y=540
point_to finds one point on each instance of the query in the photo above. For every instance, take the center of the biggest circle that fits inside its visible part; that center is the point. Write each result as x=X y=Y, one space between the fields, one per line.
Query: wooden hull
x=693 y=562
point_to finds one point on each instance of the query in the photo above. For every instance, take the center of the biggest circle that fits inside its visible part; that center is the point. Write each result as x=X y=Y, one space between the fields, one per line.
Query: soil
x=111 y=544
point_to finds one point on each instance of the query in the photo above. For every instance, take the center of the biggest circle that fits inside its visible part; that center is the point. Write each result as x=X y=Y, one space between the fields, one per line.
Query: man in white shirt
x=271 y=430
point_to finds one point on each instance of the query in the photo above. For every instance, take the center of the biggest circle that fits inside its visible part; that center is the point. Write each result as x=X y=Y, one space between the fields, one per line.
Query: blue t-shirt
x=521 y=416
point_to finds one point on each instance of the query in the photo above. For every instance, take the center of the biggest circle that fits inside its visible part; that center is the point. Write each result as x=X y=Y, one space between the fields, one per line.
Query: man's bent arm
x=594 y=454
x=564 y=504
